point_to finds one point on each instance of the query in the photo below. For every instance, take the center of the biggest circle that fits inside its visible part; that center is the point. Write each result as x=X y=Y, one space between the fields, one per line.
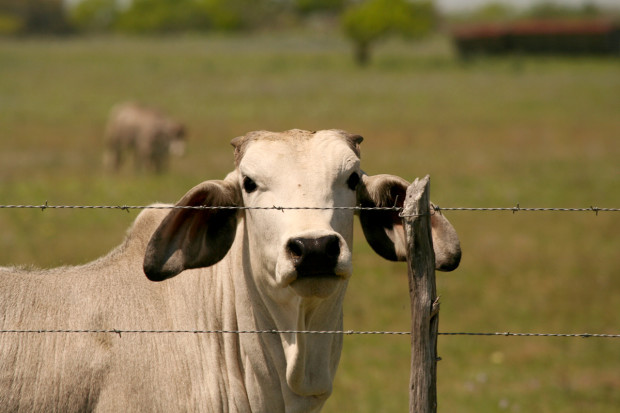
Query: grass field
x=538 y=132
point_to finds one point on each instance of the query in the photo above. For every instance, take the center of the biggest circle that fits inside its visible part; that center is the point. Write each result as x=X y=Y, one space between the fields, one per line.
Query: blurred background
x=502 y=103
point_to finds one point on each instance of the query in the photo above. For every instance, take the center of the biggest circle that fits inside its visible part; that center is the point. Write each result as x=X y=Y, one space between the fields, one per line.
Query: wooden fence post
x=424 y=301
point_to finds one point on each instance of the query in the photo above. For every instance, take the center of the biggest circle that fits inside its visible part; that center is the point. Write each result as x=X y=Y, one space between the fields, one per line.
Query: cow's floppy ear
x=384 y=229
x=446 y=244
x=193 y=238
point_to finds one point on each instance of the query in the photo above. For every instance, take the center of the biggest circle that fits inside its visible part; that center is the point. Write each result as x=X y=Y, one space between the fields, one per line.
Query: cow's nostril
x=332 y=246
x=296 y=248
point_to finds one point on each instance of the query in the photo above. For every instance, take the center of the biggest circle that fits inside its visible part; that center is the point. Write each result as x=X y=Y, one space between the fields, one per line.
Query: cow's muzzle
x=314 y=264
x=314 y=257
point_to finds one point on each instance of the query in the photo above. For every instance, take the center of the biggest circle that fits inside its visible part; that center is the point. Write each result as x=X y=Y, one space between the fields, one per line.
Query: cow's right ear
x=383 y=229
x=194 y=238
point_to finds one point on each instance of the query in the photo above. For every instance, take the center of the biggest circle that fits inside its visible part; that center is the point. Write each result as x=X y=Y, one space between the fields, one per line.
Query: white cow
x=252 y=269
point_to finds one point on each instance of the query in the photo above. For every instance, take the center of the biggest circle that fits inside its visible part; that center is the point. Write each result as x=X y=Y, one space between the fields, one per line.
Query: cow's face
x=306 y=249
x=176 y=138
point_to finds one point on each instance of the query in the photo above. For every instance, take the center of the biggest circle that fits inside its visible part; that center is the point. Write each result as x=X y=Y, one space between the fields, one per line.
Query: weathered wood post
x=424 y=301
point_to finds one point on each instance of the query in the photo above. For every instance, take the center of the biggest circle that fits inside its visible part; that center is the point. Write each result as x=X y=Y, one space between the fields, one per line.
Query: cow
x=249 y=262
x=144 y=131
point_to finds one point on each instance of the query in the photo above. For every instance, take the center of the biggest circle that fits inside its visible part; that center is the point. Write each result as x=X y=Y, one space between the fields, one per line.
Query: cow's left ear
x=384 y=229
x=194 y=238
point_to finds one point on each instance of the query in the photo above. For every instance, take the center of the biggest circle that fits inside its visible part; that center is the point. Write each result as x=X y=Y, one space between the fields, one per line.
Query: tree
x=33 y=17
x=95 y=15
x=233 y=15
x=169 y=16
x=162 y=16
x=313 y=6
x=550 y=10
x=368 y=22
x=494 y=12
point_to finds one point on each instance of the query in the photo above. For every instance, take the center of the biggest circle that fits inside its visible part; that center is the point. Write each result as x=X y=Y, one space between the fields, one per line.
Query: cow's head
x=177 y=137
x=298 y=260
x=308 y=250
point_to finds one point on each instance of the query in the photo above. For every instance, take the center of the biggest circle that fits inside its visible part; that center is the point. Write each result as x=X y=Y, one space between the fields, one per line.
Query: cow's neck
x=305 y=363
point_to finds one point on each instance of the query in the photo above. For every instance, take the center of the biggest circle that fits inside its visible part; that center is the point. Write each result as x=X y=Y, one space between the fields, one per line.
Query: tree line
x=19 y=17
x=363 y=22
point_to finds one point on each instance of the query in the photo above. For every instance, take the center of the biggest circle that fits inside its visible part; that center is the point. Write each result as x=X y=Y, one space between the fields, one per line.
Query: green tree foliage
x=373 y=20
x=168 y=16
x=162 y=16
x=495 y=12
x=10 y=24
x=312 y=6
x=33 y=17
x=95 y=15
x=550 y=10
x=501 y=12
x=233 y=15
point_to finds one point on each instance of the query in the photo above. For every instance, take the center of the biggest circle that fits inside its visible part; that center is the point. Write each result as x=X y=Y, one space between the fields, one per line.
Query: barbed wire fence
x=436 y=209
x=415 y=213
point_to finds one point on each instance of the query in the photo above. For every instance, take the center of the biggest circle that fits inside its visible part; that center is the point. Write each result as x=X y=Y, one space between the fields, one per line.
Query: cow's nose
x=314 y=256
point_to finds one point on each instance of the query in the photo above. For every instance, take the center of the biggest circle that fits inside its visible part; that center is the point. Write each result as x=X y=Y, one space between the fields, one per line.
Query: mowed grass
x=537 y=132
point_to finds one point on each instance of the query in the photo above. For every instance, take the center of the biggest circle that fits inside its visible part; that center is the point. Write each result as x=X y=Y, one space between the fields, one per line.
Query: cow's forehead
x=294 y=141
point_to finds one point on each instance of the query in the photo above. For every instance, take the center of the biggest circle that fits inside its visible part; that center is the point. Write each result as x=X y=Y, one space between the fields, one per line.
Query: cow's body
x=135 y=371
x=255 y=269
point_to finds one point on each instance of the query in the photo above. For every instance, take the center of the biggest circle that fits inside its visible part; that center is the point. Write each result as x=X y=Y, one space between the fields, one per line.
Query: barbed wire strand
x=518 y=208
x=437 y=209
x=334 y=332
x=197 y=207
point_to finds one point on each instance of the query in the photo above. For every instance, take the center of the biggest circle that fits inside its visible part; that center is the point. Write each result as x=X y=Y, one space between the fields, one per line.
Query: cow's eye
x=353 y=181
x=249 y=185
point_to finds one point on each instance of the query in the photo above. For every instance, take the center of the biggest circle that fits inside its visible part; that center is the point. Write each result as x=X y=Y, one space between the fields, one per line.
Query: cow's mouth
x=317 y=286
x=315 y=274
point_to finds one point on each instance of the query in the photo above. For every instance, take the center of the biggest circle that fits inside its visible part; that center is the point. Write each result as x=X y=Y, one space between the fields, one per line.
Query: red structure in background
x=566 y=37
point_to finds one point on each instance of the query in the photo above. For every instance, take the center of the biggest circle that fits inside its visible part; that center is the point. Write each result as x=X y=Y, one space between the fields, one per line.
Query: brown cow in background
x=150 y=134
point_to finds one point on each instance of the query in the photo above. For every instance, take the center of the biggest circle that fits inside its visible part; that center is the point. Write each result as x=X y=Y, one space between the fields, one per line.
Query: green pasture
x=491 y=133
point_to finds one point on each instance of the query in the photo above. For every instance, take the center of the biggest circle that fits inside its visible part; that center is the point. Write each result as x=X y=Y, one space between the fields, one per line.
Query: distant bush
x=234 y=15
x=549 y=10
x=170 y=16
x=312 y=6
x=33 y=17
x=494 y=12
x=162 y=16
x=10 y=24
x=501 y=12
x=95 y=15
